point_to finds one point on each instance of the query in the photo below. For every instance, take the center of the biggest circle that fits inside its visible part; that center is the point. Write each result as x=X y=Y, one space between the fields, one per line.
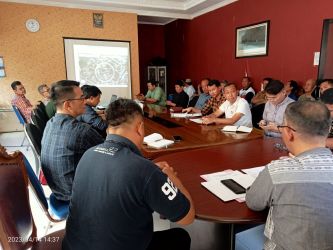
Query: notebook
x=243 y=129
x=157 y=141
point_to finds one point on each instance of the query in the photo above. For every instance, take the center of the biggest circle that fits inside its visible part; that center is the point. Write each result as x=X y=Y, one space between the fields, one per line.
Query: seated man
x=297 y=190
x=327 y=99
x=154 y=95
x=258 y=103
x=204 y=94
x=44 y=91
x=116 y=202
x=292 y=89
x=20 y=101
x=65 y=139
x=92 y=94
x=212 y=104
x=247 y=92
x=237 y=110
x=189 y=89
x=308 y=88
x=326 y=84
x=277 y=102
x=180 y=98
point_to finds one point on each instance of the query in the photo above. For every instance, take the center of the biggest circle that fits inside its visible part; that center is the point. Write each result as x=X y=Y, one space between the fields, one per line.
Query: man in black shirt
x=112 y=203
x=180 y=98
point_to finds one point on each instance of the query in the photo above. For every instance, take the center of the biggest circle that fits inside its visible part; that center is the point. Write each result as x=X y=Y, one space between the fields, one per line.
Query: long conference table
x=158 y=120
x=206 y=149
x=236 y=156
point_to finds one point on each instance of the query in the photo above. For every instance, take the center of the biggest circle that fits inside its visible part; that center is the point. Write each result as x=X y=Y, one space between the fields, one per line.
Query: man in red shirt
x=20 y=101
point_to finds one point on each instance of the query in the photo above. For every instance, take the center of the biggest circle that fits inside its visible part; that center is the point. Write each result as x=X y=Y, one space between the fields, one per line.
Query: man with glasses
x=212 y=104
x=297 y=190
x=44 y=91
x=327 y=99
x=65 y=139
x=277 y=102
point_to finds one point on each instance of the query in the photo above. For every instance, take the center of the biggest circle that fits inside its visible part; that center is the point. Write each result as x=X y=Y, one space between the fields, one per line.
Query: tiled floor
x=12 y=141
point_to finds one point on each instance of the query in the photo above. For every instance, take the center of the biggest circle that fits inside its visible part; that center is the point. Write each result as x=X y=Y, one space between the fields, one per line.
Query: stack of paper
x=214 y=185
x=184 y=115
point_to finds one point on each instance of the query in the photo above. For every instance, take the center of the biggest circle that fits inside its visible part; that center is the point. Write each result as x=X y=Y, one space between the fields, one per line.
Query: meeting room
x=167 y=124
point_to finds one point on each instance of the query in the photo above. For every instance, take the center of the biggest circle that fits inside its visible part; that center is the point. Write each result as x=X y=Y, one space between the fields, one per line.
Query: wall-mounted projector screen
x=105 y=64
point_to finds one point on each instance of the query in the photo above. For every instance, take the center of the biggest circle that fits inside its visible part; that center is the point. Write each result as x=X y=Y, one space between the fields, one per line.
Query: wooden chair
x=17 y=227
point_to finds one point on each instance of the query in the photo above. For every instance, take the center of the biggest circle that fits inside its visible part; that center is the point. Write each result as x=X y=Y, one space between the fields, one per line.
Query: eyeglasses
x=274 y=97
x=75 y=99
x=285 y=126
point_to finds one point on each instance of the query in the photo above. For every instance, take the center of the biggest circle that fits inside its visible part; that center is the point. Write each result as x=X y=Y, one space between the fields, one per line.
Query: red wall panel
x=151 y=45
x=205 y=46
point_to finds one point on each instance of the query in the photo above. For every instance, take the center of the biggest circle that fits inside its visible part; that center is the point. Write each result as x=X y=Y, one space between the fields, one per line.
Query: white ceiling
x=149 y=11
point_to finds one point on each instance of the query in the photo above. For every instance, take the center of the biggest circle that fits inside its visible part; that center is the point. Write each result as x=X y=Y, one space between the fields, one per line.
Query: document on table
x=254 y=172
x=215 y=186
x=197 y=120
x=185 y=115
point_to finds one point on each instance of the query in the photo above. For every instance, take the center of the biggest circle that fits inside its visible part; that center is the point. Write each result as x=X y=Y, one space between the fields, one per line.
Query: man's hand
x=208 y=120
x=164 y=166
x=187 y=110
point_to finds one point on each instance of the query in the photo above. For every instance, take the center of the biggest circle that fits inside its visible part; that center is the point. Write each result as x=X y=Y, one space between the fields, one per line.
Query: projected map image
x=106 y=70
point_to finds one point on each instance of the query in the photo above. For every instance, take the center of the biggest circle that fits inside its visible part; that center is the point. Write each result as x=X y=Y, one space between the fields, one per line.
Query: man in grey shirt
x=298 y=189
x=277 y=102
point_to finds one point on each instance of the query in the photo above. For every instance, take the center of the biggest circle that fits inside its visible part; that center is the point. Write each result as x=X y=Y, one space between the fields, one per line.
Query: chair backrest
x=19 y=115
x=34 y=136
x=41 y=112
x=37 y=187
x=38 y=121
x=16 y=221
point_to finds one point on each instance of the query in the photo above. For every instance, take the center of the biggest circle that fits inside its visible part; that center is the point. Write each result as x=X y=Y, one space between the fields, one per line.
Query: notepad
x=243 y=129
x=157 y=141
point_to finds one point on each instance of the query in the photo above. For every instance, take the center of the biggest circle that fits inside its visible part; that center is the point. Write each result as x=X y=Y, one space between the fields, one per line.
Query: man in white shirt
x=189 y=89
x=237 y=110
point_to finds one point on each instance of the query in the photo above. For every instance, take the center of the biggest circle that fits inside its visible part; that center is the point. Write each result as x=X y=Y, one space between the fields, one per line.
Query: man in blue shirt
x=204 y=95
x=116 y=199
x=92 y=95
x=65 y=139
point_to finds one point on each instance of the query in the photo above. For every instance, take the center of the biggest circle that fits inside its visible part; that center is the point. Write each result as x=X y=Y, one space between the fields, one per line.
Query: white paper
x=160 y=143
x=184 y=115
x=153 y=137
x=244 y=129
x=254 y=172
x=221 y=191
x=197 y=120
x=217 y=188
x=219 y=175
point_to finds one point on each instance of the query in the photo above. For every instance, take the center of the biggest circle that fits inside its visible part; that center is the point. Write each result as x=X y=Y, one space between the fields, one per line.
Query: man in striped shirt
x=298 y=189
x=20 y=101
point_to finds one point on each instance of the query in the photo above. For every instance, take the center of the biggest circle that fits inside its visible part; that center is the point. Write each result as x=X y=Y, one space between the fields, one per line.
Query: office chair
x=55 y=210
x=38 y=121
x=17 y=227
x=34 y=137
x=22 y=122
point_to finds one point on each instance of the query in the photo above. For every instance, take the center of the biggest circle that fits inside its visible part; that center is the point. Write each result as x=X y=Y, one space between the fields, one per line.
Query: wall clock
x=32 y=25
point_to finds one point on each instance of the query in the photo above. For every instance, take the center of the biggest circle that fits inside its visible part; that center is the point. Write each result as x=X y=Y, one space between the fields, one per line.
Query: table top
x=158 y=120
x=240 y=155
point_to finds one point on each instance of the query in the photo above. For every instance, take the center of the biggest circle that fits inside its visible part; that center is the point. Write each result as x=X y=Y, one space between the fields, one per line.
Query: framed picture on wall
x=252 y=40
x=98 y=20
